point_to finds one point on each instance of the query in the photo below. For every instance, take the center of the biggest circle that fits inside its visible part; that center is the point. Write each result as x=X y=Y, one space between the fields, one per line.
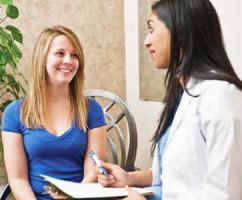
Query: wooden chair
x=4 y=191
x=121 y=132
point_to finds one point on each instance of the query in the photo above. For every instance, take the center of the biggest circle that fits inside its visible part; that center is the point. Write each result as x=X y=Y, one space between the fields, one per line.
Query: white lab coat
x=203 y=155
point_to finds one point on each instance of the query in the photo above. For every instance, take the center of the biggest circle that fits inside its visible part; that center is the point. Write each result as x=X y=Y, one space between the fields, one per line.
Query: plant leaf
x=16 y=53
x=10 y=78
x=2 y=71
x=5 y=38
x=13 y=64
x=4 y=105
x=17 y=35
x=13 y=93
x=22 y=89
x=4 y=57
x=6 y=2
x=15 y=86
x=12 y=11
x=3 y=60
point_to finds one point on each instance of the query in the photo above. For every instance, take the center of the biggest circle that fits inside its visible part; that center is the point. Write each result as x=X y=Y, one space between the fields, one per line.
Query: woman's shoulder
x=95 y=114
x=220 y=88
x=218 y=95
x=14 y=105
x=213 y=87
x=11 y=117
x=93 y=104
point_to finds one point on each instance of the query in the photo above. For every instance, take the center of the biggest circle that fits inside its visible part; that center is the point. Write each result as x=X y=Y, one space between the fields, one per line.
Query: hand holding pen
x=117 y=177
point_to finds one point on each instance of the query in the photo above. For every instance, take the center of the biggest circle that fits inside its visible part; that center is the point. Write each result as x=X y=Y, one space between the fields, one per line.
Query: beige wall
x=151 y=79
x=99 y=26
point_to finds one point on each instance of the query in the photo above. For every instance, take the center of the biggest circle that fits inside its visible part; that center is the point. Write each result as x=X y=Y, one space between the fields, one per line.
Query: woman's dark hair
x=197 y=51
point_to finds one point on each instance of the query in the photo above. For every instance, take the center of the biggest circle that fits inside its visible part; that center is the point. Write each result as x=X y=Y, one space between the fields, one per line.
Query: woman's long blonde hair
x=34 y=108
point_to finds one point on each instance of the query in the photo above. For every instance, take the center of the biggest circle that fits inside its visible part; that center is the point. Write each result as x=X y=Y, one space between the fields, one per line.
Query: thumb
x=108 y=166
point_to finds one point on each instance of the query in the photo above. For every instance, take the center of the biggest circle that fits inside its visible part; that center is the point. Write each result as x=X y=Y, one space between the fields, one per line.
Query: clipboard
x=62 y=189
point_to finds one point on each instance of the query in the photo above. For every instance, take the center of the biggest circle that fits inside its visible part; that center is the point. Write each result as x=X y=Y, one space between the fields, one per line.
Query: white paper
x=91 y=190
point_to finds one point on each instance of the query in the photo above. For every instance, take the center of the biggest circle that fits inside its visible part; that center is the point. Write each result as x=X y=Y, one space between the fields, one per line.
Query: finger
x=105 y=177
x=108 y=166
x=103 y=183
x=106 y=182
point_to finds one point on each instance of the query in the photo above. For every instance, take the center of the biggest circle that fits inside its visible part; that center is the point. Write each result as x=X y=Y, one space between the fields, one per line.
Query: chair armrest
x=4 y=191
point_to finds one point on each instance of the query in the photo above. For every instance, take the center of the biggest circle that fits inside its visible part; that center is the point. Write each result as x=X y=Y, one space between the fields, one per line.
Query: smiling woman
x=158 y=41
x=62 y=61
x=52 y=130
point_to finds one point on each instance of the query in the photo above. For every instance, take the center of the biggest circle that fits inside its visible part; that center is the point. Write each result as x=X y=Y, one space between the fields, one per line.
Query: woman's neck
x=55 y=93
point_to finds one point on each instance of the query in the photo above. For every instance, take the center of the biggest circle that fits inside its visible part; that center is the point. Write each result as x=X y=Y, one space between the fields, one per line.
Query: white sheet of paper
x=90 y=190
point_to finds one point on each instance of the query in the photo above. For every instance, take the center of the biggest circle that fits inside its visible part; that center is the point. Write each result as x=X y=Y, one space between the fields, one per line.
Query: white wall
x=147 y=113
x=231 y=20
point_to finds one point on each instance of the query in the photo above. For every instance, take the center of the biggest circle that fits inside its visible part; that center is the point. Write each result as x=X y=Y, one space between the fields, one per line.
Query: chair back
x=4 y=191
x=121 y=128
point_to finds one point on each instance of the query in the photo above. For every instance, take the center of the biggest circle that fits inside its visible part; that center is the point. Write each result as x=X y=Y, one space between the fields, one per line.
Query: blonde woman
x=53 y=128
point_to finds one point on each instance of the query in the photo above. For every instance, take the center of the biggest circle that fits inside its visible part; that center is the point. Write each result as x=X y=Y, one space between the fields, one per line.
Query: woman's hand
x=117 y=177
x=133 y=195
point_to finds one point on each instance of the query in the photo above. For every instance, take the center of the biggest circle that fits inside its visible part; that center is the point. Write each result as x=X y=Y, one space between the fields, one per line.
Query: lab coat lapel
x=181 y=110
x=194 y=88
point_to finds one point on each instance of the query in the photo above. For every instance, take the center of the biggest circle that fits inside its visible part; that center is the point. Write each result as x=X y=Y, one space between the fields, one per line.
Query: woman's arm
x=119 y=178
x=96 y=142
x=140 y=178
x=221 y=126
x=16 y=166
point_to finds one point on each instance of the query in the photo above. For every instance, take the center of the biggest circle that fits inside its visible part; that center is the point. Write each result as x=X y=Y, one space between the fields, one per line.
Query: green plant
x=10 y=37
x=11 y=81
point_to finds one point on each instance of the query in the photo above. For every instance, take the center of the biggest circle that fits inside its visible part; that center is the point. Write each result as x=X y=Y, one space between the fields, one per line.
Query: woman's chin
x=160 y=66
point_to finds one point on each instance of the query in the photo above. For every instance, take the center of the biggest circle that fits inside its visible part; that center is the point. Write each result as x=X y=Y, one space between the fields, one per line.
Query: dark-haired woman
x=198 y=142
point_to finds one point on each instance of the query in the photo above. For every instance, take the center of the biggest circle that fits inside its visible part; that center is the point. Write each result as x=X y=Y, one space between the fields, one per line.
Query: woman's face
x=62 y=61
x=158 y=42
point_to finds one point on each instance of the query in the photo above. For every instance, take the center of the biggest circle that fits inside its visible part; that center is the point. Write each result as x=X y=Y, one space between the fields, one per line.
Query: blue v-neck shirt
x=57 y=156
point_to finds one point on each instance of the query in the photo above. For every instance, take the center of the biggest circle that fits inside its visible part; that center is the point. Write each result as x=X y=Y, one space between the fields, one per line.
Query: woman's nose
x=67 y=59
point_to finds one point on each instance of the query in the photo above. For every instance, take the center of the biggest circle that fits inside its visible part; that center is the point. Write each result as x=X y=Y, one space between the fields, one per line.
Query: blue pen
x=97 y=162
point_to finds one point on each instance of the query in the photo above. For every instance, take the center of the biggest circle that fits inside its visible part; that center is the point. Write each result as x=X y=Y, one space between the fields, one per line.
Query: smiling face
x=62 y=61
x=158 y=42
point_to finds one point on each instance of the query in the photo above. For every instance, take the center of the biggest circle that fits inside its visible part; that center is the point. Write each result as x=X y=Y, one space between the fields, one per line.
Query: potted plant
x=11 y=81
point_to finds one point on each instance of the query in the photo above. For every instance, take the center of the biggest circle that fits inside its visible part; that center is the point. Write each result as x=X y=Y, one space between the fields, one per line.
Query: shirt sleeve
x=221 y=123
x=95 y=115
x=11 y=117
